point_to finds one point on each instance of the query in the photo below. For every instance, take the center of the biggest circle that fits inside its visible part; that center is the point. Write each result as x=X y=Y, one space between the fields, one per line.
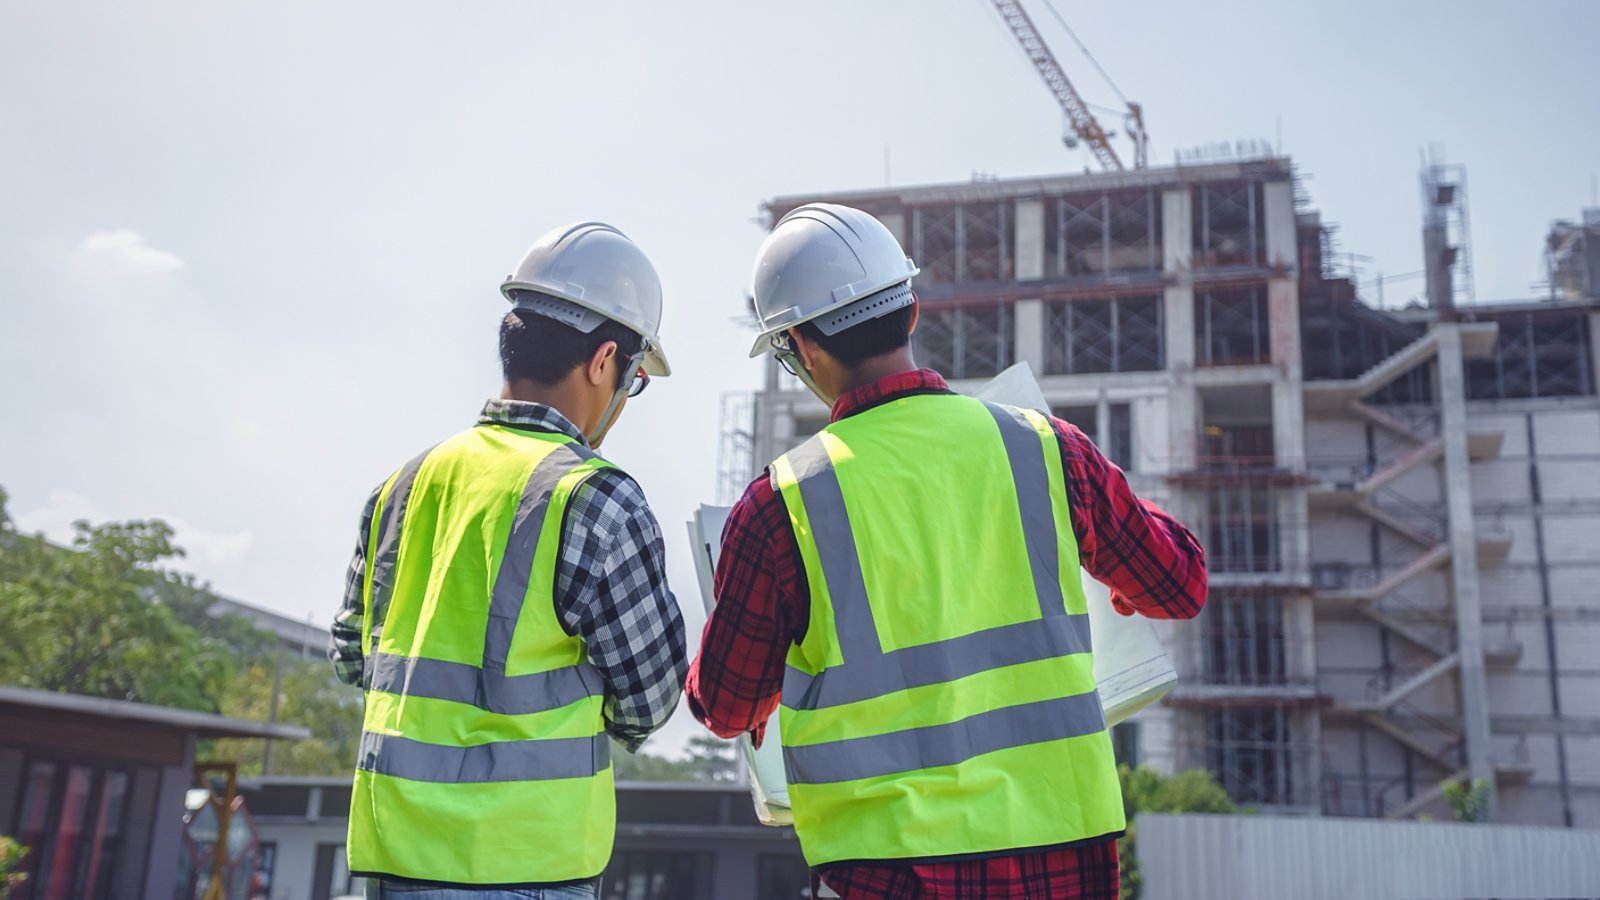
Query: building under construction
x=1400 y=508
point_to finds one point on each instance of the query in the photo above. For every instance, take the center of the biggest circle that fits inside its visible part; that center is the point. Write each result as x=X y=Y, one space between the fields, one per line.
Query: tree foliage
x=108 y=617
x=1146 y=790
x=707 y=759
x=309 y=696
x=11 y=854
x=1468 y=803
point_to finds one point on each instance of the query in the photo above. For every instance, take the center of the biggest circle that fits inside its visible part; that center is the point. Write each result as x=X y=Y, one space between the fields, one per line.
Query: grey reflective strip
x=543 y=760
x=867 y=671
x=1032 y=480
x=945 y=745
x=488 y=690
x=388 y=525
x=516 y=566
x=836 y=550
x=937 y=663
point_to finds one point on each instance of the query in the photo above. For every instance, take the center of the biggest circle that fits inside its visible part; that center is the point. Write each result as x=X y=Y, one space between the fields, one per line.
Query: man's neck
x=876 y=369
x=558 y=397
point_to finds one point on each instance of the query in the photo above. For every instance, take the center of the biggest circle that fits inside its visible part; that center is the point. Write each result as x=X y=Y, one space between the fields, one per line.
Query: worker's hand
x=757 y=733
x=1121 y=605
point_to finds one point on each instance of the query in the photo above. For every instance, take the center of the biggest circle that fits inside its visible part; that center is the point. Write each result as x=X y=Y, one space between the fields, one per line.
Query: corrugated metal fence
x=1199 y=857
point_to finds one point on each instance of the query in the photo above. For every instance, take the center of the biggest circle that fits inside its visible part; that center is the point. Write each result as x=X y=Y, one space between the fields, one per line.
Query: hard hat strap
x=783 y=349
x=599 y=432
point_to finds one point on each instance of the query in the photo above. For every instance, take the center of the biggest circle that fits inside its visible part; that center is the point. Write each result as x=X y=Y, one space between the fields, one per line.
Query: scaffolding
x=961 y=243
x=1537 y=354
x=968 y=341
x=1256 y=753
x=1101 y=234
x=735 y=445
x=1446 y=234
x=1229 y=228
x=1232 y=327
x=1115 y=334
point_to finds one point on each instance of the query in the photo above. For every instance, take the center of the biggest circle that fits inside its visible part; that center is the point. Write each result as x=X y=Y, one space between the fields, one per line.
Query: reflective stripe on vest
x=942 y=700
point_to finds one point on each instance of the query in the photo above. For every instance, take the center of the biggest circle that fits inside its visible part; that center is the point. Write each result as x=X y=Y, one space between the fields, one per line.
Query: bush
x=1146 y=790
x=11 y=854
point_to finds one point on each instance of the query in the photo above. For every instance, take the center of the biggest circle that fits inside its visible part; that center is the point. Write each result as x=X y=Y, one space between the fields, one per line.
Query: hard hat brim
x=655 y=362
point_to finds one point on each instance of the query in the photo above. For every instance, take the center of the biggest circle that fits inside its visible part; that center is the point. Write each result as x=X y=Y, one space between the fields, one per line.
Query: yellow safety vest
x=942 y=702
x=483 y=754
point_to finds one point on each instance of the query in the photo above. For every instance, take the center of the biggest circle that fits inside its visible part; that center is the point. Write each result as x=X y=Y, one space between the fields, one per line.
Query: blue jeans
x=590 y=891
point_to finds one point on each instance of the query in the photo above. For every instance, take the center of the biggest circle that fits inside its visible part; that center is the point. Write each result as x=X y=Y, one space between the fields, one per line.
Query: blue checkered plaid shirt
x=611 y=589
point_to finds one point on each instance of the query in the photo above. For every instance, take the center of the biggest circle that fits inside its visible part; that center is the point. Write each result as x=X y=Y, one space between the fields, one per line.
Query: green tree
x=308 y=695
x=707 y=759
x=712 y=759
x=647 y=766
x=1468 y=803
x=1146 y=790
x=11 y=854
x=106 y=618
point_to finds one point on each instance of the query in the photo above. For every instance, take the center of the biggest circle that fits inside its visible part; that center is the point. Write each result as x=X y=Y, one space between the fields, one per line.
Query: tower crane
x=1081 y=122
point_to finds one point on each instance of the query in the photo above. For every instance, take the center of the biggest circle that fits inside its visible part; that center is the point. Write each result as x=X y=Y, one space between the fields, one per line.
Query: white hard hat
x=829 y=264
x=581 y=274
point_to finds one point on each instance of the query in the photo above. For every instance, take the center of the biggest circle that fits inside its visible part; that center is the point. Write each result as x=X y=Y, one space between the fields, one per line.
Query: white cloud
x=55 y=518
x=207 y=551
x=126 y=248
x=117 y=266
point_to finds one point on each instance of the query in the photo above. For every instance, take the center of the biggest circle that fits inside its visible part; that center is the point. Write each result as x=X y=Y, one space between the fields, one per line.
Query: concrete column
x=166 y=838
x=1183 y=400
x=1288 y=421
x=1594 y=348
x=1028 y=320
x=1177 y=231
x=896 y=223
x=1464 y=558
x=1030 y=239
x=1282 y=247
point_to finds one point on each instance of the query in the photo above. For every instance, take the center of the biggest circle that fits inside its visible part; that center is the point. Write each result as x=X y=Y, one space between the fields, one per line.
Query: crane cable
x=1050 y=5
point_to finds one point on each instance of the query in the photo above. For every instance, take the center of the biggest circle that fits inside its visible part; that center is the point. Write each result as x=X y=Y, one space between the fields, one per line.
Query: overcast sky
x=250 y=252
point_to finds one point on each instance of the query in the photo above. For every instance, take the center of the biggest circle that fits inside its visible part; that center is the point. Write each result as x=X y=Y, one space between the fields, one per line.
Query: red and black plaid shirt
x=1152 y=563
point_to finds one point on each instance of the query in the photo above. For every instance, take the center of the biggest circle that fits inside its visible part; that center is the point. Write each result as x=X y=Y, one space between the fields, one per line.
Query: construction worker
x=507 y=607
x=904 y=588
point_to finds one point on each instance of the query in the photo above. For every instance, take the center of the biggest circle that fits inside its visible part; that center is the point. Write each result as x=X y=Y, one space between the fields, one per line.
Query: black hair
x=859 y=343
x=540 y=349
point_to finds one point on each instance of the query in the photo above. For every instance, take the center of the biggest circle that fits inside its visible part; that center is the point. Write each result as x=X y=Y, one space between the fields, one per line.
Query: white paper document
x=1131 y=668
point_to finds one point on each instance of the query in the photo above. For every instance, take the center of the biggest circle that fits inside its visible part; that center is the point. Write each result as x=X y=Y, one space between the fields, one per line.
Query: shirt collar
x=889 y=387
x=528 y=415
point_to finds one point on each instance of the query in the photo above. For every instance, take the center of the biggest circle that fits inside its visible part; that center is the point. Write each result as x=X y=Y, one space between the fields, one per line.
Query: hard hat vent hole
x=885 y=302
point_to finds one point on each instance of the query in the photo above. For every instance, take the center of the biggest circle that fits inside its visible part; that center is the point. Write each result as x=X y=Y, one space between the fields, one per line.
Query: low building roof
x=201 y=723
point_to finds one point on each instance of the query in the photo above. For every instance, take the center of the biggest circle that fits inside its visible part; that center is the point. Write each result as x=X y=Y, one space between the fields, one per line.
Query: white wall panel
x=1567 y=431
x=1272 y=857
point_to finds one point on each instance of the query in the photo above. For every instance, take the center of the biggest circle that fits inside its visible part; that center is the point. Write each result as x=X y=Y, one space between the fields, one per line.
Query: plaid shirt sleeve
x=1153 y=565
x=611 y=591
x=344 y=643
x=762 y=608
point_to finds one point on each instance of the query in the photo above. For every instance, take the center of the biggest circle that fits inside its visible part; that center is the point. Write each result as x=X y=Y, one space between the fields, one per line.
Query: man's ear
x=804 y=347
x=596 y=370
x=916 y=313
